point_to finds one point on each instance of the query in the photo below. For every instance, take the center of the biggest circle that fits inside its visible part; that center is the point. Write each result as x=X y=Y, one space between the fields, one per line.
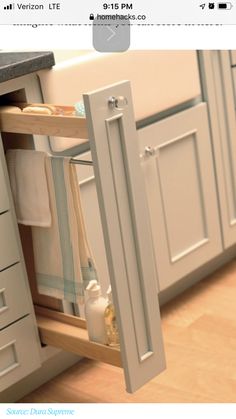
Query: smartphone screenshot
x=117 y=208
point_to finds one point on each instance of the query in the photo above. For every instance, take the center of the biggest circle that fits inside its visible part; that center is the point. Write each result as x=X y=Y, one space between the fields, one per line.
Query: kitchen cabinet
x=186 y=162
x=179 y=175
x=189 y=181
x=18 y=330
x=126 y=229
x=20 y=346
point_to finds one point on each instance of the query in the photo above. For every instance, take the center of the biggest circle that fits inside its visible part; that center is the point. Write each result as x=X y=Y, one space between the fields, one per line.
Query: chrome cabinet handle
x=118 y=102
x=149 y=151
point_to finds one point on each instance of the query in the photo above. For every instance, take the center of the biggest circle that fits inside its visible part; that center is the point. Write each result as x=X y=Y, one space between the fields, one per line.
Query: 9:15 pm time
x=117 y=6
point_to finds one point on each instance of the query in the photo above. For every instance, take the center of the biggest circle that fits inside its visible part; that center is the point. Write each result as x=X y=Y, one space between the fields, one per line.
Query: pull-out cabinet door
x=127 y=234
x=179 y=175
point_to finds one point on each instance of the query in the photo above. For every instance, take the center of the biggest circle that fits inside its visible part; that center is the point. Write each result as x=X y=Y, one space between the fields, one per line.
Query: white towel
x=63 y=260
x=31 y=198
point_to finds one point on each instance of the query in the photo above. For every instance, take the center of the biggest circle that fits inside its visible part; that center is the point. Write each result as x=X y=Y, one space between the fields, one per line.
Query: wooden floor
x=200 y=341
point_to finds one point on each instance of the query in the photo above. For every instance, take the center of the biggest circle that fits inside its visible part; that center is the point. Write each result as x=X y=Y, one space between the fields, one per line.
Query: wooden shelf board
x=66 y=125
x=69 y=333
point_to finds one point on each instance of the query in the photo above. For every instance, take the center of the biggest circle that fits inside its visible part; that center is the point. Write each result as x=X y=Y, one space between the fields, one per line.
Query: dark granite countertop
x=16 y=64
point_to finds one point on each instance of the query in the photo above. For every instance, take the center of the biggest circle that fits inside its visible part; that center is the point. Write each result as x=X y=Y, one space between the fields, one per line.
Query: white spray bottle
x=94 y=313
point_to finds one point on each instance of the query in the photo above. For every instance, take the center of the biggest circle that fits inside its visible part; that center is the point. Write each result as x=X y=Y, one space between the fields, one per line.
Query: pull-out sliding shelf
x=63 y=124
x=69 y=333
x=126 y=226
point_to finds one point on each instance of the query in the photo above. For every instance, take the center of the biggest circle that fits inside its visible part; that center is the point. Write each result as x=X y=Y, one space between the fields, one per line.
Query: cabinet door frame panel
x=218 y=90
x=175 y=263
x=127 y=234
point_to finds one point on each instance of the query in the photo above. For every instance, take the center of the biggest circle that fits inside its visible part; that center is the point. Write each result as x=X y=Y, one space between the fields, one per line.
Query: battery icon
x=225 y=6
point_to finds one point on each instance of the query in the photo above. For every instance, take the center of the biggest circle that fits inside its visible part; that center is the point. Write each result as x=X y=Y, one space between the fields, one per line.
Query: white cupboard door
x=222 y=102
x=126 y=228
x=179 y=176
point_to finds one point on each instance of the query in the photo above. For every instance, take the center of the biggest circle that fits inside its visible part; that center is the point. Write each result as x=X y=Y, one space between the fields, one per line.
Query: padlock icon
x=91 y=16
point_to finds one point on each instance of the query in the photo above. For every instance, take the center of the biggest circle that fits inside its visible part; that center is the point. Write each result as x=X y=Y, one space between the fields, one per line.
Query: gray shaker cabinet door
x=222 y=102
x=125 y=221
x=179 y=177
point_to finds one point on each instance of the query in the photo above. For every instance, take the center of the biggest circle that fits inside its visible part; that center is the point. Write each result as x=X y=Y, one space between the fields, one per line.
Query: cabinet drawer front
x=13 y=295
x=4 y=201
x=19 y=355
x=9 y=252
x=179 y=174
